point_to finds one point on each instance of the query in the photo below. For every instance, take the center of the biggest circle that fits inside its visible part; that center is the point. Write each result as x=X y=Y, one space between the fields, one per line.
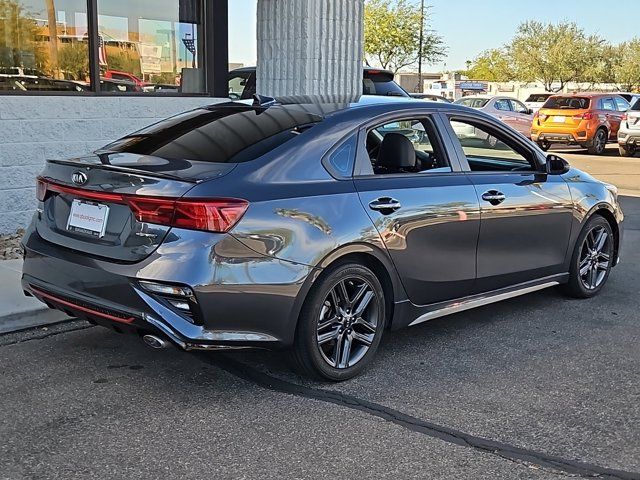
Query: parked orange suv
x=585 y=119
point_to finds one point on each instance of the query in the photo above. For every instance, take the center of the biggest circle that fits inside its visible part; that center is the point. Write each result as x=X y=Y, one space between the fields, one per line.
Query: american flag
x=102 y=51
x=190 y=44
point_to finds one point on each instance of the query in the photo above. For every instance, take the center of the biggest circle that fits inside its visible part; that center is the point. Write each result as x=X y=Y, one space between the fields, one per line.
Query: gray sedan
x=510 y=110
x=312 y=227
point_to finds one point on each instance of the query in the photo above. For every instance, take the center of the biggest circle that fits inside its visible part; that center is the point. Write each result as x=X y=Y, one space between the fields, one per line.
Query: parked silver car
x=629 y=132
x=510 y=110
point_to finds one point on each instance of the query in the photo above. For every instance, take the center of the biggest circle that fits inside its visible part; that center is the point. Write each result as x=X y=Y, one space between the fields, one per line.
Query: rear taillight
x=625 y=116
x=583 y=116
x=213 y=215
x=41 y=189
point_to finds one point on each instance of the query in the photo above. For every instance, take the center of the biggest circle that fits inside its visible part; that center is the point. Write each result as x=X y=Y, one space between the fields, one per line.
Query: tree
x=392 y=35
x=491 y=65
x=18 y=33
x=554 y=54
x=627 y=69
x=74 y=59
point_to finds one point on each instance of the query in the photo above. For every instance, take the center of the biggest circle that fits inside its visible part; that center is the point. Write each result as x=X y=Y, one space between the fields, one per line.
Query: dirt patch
x=10 y=245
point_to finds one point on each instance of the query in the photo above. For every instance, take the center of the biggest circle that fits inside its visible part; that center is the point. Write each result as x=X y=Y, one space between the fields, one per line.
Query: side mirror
x=556 y=165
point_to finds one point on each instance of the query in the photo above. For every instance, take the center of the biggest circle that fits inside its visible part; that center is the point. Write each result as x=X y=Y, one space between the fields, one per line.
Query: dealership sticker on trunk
x=89 y=218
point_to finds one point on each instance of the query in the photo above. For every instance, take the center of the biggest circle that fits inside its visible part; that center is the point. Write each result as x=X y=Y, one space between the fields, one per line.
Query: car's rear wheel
x=598 y=143
x=341 y=324
x=544 y=145
x=592 y=259
x=626 y=151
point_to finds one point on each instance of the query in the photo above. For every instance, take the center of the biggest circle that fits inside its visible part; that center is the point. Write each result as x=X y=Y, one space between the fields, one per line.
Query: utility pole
x=420 y=86
x=53 y=38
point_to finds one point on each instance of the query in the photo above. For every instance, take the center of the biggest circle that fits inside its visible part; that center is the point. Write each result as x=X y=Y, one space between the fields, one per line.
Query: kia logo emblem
x=79 y=178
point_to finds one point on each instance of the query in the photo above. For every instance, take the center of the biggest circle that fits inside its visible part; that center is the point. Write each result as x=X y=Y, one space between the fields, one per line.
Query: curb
x=39 y=317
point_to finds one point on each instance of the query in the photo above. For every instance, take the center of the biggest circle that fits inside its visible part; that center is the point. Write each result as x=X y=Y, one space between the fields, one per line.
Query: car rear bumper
x=574 y=138
x=239 y=305
x=629 y=138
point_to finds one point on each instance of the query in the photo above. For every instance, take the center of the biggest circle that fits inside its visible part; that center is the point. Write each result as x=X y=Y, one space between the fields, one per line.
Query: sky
x=470 y=26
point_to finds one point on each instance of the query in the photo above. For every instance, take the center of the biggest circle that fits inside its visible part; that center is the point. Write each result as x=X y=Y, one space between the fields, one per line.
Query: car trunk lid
x=102 y=204
x=561 y=117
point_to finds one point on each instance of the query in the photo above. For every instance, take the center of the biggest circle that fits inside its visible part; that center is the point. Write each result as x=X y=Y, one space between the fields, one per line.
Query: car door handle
x=494 y=197
x=385 y=205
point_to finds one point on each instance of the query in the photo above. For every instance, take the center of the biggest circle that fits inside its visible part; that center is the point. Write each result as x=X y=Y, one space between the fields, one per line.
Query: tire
x=587 y=258
x=599 y=142
x=324 y=330
x=626 y=151
x=545 y=146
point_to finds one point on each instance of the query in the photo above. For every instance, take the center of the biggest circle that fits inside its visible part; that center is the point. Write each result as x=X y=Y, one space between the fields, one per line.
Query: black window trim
x=530 y=150
x=215 y=25
x=431 y=114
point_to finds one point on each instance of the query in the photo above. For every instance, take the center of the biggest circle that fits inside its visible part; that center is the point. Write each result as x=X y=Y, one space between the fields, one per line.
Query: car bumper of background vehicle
x=630 y=139
x=222 y=316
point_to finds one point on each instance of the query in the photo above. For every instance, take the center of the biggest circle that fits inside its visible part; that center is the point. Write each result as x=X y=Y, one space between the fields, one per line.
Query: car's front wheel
x=592 y=259
x=341 y=323
x=626 y=151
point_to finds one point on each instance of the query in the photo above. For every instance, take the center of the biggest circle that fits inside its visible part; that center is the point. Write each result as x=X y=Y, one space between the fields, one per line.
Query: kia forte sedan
x=312 y=227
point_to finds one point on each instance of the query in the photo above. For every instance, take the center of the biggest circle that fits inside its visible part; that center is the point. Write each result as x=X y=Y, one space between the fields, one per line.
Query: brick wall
x=35 y=128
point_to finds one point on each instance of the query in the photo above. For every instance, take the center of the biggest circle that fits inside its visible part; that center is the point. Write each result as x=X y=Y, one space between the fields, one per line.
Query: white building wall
x=35 y=128
x=310 y=47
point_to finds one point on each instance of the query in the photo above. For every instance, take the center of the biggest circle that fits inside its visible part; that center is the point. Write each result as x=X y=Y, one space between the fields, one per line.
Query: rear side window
x=608 y=104
x=341 y=160
x=381 y=84
x=573 y=103
x=218 y=135
x=636 y=106
x=473 y=102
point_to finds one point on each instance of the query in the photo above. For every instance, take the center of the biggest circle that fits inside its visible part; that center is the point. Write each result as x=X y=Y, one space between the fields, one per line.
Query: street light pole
x=420 y=86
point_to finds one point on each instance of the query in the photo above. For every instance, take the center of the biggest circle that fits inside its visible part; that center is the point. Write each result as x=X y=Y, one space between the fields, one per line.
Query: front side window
x=519 y=107
x=151 y=46
x=43 y=45
x=489 y=151
x=406 y=146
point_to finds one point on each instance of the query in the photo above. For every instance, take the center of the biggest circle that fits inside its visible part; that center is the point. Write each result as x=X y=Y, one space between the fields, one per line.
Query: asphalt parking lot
x=536 y=387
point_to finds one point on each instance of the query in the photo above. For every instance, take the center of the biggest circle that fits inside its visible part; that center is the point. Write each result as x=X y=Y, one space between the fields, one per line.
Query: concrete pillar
x=310 y=47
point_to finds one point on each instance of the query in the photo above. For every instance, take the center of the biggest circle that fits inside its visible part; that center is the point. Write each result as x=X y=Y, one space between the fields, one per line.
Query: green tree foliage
x=491 y=65
x=74 y=60
x=392 y=35
x=626 y=70
x=554 y=54
x=18 y=33
x=124 y=60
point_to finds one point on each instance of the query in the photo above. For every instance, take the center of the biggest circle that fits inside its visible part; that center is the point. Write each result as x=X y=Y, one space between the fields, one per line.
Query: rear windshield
x=381 y=84
x=473 y=102
x=573 y=103
x=538 y=97
x=219 y=135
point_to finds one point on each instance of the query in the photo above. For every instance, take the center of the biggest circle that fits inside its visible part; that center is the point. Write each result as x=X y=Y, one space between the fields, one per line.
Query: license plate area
x=558 y=119
x=89 y=218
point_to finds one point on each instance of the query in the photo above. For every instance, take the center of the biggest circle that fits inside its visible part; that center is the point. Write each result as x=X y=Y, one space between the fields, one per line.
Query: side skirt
x=429 y=312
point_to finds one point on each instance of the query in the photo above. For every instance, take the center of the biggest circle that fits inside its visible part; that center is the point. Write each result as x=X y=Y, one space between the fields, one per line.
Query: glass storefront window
x=43 y=45
x=151 y=46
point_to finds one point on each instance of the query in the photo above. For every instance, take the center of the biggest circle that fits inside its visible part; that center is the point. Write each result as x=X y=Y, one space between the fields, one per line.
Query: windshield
x=473 y=102
x=538 y=97
x=573 y=103
x=218 y=135
x=381 y=84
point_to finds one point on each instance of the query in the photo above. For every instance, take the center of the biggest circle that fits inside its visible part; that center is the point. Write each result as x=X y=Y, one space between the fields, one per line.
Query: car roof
x=586 y=94
x=365 y=68
x=327 y=106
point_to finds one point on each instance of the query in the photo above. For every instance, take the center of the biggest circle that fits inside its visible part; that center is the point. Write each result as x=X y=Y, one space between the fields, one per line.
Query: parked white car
x=535 y=101
x=629 y=132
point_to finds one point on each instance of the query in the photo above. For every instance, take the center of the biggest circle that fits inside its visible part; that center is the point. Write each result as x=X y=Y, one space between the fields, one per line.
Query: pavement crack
x=40 y=333
x=523 y=456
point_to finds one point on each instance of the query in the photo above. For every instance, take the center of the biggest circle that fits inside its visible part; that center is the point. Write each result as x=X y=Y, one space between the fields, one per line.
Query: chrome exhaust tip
x=154 y=341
